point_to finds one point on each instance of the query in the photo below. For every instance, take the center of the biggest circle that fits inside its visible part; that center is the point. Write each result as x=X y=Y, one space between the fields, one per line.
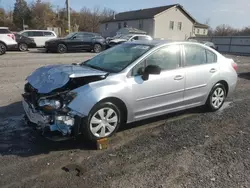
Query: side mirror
x=150 y=69
x=74 y=37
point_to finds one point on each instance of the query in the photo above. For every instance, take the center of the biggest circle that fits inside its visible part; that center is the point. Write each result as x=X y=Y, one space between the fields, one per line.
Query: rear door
x=37 y=36
x=88 y=41
x=201 y=72
x=48 y=35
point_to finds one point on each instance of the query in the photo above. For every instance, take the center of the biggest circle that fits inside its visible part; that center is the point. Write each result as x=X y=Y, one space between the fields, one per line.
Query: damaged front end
x=46 y=99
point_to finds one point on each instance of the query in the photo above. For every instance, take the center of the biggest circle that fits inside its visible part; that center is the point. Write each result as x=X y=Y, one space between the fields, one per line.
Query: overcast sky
x=233 y=12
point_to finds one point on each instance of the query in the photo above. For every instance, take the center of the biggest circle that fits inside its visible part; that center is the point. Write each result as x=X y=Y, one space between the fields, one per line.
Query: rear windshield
x=4 y=31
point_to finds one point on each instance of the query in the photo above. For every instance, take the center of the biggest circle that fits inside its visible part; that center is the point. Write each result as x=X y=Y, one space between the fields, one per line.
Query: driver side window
x=167 y=58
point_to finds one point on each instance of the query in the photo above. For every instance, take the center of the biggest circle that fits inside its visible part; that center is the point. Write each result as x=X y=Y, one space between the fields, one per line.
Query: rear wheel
x=216 y=97
x=23 y=47
x=103 y=121
x=3 y=48
x=62 y=48
x=97 y=48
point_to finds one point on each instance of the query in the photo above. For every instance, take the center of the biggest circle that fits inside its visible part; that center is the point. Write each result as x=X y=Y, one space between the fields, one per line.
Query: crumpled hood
x=118 y=40
x=49 y=78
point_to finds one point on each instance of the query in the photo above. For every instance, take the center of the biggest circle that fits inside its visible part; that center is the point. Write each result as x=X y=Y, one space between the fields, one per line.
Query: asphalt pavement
x=191 y=148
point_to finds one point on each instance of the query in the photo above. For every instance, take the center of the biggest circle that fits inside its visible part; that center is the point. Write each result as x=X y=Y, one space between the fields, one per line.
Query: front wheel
x=216 y=97
x=97 y=48
x=61 y=48
x=103 y=121
x=2 y=49
x=23 y=47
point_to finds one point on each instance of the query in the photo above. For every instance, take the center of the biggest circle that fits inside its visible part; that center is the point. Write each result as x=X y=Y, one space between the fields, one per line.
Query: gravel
x=191 y=148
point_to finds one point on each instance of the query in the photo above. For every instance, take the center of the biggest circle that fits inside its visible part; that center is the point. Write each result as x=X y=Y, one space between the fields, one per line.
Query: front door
x=76 y=42
x=201 y=72
x=160 y=93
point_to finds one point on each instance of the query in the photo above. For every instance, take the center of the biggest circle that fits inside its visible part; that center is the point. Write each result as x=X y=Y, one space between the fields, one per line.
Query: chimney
x=114 y=15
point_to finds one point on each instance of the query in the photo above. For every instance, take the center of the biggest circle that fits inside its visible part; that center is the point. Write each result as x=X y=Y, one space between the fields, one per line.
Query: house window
x=140 y=24
x=179 y=26
x=106 y=27
x=171 y=25
x=204 y=31
x=119 y=25
x=198 y=31
x=125 y=24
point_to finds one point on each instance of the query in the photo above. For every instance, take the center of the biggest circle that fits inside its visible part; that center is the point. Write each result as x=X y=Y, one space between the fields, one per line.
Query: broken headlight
x=67 y=98
x=49 y=104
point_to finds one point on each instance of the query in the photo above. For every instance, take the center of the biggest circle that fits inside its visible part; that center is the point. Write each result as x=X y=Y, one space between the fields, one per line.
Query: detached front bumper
x=56 y=126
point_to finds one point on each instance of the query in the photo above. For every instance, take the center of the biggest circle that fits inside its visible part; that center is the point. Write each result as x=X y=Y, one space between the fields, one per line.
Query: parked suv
x=39 y=36
x=7 y=40
x=77 y=41
x=129 y=37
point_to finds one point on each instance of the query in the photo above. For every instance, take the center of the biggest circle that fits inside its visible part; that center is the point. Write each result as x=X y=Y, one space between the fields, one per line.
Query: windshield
x=70 y=35
x=117 y=58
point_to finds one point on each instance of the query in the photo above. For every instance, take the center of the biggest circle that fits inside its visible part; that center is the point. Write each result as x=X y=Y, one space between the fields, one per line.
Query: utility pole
x=68 y=13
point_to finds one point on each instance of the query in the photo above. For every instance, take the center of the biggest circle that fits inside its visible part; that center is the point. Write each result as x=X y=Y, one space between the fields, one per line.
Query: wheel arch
x=119 y=103
x=3 y=43
x=225 y=84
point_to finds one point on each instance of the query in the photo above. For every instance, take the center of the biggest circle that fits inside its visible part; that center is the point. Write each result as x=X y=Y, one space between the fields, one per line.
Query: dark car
x=77 y=41
x=24 y=43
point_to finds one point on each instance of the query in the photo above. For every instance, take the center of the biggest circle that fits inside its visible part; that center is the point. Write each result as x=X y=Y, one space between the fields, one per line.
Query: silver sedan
x=127 y=83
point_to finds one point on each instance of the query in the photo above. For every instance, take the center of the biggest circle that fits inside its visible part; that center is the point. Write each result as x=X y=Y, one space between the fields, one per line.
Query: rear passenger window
x=4 y=31
x=211 y=57
x=37 y=34
x=195 y=55
x=47 y=33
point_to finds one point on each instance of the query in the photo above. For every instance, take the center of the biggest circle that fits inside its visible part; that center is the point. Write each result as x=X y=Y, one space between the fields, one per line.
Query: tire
x=97 y=48
x=3 y=48
x=216 y=97
x=62 y=48
x=96 y=127
x=23 y=47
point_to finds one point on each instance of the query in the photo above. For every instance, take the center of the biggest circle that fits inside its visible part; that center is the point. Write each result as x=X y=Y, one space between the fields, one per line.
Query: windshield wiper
x=95 y=67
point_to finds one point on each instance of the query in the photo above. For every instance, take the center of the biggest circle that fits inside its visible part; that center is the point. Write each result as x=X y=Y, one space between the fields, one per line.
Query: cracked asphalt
x=191 y=148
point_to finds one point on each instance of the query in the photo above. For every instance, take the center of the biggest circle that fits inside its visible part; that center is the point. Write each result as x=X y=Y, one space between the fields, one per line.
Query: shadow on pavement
x=244 y=75
x=17 y=138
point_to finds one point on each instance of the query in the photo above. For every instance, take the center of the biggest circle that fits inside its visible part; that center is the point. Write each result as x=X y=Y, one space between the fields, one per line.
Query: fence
x=231 y=44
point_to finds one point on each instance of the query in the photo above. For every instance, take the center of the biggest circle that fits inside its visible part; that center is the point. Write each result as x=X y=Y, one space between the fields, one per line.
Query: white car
x=129 y=37
x=39 y=36
x=7 y=40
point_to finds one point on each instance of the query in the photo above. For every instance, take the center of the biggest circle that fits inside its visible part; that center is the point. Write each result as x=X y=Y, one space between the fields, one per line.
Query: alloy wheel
x=61 y=48
x=218 y=97
x=23 y=47
x=2 y=49
x=104 y=122
x=97 y=48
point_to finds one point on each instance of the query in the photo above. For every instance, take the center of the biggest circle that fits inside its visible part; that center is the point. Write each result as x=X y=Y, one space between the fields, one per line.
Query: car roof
x=161 y=42
x=36 y=30
x=87 y=33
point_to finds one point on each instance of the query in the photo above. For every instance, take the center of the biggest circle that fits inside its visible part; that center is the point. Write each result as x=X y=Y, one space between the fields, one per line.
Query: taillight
x=12 y=36
x=235 y=66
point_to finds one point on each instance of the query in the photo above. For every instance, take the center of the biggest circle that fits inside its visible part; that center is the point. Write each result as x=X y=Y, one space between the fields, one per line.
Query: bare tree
x=224 y=30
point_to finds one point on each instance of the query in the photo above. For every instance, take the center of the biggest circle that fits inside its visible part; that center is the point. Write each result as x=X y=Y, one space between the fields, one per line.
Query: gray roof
x=139 y=14
x=200 y=25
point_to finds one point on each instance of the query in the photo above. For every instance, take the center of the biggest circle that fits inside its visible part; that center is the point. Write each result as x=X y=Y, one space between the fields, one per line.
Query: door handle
x=178 y=77
x=213 y=70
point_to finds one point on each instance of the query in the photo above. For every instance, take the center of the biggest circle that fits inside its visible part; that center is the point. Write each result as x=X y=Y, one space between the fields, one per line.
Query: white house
x=169 y=22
